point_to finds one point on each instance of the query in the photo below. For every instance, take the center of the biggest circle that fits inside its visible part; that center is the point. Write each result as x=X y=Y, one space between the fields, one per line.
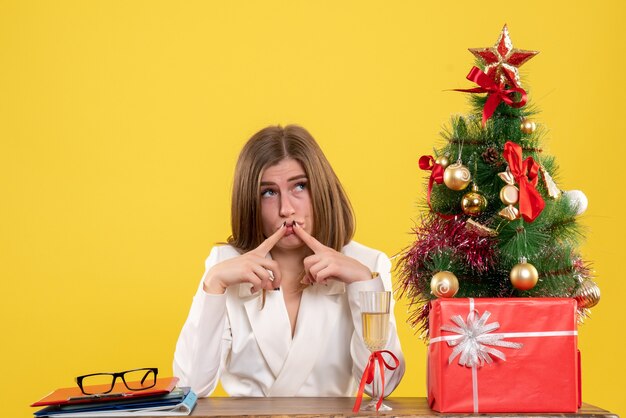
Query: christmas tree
x=495 y=222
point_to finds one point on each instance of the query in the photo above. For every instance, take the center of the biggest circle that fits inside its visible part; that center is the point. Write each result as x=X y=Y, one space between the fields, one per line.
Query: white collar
x=332 y=287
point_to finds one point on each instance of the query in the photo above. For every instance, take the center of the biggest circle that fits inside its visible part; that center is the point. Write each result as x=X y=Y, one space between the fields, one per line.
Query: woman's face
x=285 y=197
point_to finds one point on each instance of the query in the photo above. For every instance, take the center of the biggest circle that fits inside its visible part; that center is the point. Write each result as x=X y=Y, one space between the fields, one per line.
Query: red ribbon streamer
x=526 y=173
x=496 y=92
x=368 y=376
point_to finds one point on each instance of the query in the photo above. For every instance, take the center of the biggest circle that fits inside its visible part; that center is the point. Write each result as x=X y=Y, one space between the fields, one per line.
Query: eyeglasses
x=100 y=383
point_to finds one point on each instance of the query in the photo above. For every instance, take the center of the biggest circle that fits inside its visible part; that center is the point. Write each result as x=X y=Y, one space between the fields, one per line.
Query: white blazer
x=229 y=337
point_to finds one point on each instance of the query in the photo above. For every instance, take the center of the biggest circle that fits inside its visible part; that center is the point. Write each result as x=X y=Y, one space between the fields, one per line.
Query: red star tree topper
x=502 y=60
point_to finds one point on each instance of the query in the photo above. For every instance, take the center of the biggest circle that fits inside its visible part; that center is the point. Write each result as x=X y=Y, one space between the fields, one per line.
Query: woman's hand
x=327 y=263
x=251 y=267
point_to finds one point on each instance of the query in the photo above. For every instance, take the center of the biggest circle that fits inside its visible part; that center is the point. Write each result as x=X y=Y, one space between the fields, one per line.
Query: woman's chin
x=290 y=242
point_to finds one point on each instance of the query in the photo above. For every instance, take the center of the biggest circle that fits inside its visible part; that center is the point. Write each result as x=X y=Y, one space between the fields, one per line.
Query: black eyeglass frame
x=114 y=376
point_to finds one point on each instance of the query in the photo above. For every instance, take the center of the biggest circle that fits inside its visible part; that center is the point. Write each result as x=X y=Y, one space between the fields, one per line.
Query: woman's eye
x=267 y=193
x=300 y=186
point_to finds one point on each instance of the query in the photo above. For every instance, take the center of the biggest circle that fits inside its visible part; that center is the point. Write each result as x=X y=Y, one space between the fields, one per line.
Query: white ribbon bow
x=474 y=339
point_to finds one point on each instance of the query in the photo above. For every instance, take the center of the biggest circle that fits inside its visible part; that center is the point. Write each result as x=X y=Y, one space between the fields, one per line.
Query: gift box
x=503 y=355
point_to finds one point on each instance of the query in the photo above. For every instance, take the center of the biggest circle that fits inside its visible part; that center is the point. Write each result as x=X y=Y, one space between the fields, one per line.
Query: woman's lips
x=289 y=227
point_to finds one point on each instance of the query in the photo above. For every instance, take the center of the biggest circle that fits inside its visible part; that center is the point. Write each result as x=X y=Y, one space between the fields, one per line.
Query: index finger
x=270 y=241
x=308 y=239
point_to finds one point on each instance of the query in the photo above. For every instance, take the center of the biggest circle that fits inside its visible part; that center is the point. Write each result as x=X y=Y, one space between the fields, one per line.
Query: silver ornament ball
x=578 y=200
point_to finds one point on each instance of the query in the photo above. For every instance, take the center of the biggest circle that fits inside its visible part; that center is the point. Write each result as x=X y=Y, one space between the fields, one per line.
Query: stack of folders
x=164 y=399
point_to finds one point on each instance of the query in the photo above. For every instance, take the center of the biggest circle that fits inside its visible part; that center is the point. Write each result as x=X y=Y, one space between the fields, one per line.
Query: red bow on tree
x=526 y=173
x=427 y=162
x=496 y=92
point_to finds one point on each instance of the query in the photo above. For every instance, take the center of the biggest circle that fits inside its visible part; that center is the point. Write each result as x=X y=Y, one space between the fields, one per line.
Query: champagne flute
x=375 y=319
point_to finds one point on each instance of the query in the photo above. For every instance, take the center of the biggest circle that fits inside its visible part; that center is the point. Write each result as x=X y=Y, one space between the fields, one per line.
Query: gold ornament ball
x=473 y=203
x=443 y=161
x=524 y=276
x=509 y=194
x=528 y=126
x=444 y=284
x=456 y=176
x=587 y=295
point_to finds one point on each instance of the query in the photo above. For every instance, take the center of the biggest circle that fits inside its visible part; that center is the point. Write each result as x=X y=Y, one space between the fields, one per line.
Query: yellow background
x=120 y=122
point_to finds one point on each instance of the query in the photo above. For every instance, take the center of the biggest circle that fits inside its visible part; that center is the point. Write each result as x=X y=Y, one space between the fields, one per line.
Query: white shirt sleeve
x=205 y=339
x=358 y=350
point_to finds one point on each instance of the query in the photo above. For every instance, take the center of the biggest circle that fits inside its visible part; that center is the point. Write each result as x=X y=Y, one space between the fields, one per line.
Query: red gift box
x=503 y=355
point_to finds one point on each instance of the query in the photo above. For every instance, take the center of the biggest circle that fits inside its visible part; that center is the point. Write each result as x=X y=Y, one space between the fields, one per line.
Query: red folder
x=73 y=395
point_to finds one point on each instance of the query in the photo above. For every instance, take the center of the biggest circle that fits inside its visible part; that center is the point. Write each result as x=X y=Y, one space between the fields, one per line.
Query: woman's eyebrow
x=271 y=183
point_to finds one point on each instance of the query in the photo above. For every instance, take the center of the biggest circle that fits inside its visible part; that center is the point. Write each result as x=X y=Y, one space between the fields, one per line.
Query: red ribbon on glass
x=497 y=93
x=368 y=376
x=526 y=173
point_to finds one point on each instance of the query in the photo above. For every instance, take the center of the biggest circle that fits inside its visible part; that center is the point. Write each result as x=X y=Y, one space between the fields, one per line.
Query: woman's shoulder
x=226 y=249
x=374 y=259
x=221 y=252
x=362 y=252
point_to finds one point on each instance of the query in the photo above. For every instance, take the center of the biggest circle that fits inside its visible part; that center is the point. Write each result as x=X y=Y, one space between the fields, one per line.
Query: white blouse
x=229 y=337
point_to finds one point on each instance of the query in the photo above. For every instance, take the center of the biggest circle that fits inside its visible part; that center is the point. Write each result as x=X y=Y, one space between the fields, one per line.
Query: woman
x=277 y=311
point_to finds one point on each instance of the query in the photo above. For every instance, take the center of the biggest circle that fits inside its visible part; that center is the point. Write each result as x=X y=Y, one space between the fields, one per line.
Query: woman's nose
x=286 y=207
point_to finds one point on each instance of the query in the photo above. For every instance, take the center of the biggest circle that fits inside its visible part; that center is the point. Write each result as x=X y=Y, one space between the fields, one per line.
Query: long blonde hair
x=333 y=217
